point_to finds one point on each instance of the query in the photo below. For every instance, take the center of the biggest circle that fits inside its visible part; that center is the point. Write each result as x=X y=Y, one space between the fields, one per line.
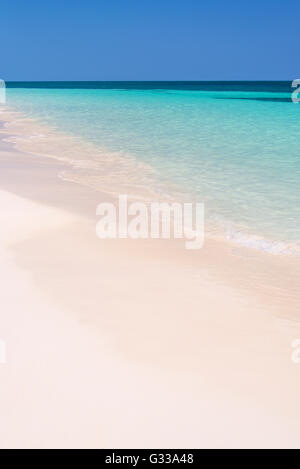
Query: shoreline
x=190 y=350
x=85 y=200
x=87 y=164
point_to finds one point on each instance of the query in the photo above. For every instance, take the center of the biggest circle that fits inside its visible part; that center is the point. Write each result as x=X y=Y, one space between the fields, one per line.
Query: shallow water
x=235 y=146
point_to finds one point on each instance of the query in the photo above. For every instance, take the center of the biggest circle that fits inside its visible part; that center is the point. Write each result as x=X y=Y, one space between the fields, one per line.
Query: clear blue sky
x=149 y=39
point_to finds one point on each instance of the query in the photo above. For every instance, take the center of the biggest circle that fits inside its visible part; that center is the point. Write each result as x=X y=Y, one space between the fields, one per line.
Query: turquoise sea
x=233 y=145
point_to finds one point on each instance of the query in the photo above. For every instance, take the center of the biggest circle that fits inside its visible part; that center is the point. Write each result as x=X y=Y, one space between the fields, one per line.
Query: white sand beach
x=136 y=344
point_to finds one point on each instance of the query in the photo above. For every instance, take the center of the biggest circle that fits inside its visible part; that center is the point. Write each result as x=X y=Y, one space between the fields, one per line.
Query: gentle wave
x=238 y=154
